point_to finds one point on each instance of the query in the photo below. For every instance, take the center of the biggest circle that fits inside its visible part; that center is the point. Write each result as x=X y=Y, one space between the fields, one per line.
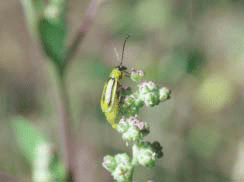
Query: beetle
x=110 y=95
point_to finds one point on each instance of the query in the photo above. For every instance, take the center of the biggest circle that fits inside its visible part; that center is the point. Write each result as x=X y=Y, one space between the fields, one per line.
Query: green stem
x=133 y=164
x=65 y=131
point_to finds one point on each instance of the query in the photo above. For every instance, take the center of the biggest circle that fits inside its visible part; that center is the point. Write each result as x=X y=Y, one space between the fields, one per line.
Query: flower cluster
x=148 y=94
x=147 y=153
x=134 y=130
x=120 y=166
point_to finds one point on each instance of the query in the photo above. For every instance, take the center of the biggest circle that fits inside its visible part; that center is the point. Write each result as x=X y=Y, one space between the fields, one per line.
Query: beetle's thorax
x=116 y=73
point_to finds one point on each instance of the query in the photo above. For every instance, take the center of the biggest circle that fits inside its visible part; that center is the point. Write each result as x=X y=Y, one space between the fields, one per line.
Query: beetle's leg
x=126 y=73
x=119 y=90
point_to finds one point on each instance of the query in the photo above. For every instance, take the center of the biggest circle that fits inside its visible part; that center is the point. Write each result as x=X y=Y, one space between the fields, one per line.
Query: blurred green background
x=196 y=48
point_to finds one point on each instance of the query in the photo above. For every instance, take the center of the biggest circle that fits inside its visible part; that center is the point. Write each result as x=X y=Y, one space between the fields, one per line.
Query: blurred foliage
x=195 y=60
x=53 y=37
x=28 y=138
x=195 y=48
x=33 y=11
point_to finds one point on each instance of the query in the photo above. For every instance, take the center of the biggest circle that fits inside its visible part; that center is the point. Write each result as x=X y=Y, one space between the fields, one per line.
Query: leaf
x=57 y=168
x=28 y=137
x=53 y=37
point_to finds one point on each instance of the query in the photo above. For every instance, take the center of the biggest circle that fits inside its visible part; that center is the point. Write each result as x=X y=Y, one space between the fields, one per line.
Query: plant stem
x=65 y=131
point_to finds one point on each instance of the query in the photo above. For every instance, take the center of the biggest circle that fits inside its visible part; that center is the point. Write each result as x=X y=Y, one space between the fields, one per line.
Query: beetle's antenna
x=123 y=50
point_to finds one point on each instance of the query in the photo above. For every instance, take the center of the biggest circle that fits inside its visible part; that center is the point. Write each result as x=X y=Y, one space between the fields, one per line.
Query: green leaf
x=57 y=169
x=28 y=137
x=53 y=37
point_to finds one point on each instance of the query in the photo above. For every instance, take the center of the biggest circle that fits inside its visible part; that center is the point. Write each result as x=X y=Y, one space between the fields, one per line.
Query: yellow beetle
x=109 y=99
